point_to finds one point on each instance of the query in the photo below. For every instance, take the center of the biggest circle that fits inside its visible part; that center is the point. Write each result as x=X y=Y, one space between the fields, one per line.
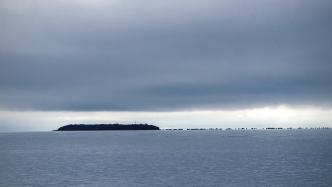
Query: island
x=106 y=127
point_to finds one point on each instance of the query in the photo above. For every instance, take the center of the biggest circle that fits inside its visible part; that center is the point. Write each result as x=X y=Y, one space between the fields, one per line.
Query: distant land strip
x=267 y=128
x=106 y=127
x=116 y=126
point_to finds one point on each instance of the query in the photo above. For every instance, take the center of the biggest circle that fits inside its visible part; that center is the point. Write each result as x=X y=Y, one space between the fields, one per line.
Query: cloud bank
x=164 y=55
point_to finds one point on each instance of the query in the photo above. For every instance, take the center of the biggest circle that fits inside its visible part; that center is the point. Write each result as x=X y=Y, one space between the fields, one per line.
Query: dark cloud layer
x=164 y=55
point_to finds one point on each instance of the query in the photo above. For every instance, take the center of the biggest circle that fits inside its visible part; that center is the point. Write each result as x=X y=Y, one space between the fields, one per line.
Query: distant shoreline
x=126 y=127
x=268 y=128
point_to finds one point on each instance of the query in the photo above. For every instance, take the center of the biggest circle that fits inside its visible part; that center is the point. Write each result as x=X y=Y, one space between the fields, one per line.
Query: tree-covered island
x=110 y=127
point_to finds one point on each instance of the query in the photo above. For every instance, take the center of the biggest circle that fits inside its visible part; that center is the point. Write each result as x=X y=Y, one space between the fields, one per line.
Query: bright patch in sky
x=281 y=116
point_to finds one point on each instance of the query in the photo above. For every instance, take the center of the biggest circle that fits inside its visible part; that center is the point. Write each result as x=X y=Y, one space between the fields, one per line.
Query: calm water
x=167 y=158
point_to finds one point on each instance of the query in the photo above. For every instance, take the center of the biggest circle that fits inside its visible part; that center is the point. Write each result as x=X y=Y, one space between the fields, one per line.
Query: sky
x=174 y=63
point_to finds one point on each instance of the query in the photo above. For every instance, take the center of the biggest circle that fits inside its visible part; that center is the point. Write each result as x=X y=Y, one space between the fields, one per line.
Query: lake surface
x=167 y=158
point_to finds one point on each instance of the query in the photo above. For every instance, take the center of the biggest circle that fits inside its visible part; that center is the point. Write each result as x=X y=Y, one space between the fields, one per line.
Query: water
x=167 y=158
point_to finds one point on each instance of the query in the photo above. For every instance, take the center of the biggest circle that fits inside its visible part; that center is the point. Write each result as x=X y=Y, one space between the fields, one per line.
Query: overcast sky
x=164 y=56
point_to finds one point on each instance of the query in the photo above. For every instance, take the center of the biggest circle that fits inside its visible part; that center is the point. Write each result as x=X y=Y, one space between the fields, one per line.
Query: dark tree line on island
x=98 y=127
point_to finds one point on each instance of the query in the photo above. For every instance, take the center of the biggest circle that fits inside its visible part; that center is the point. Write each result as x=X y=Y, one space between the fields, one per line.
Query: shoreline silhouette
x=109 y=127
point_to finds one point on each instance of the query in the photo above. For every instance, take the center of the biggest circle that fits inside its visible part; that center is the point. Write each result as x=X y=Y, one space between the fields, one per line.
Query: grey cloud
x=158 y=55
